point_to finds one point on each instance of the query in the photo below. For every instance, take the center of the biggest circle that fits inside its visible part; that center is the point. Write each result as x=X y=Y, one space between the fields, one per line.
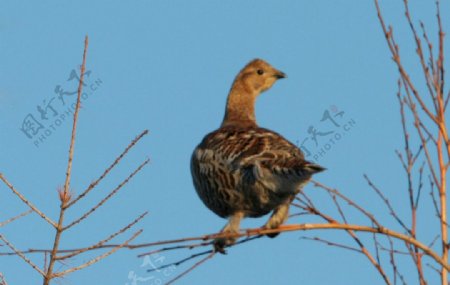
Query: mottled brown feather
x=224 y=165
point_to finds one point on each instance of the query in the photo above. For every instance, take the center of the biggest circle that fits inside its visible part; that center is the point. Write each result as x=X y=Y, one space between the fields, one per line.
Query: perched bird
x=241 y=170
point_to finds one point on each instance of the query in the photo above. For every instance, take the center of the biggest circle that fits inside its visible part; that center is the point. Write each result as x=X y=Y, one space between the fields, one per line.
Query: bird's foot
x=278 y=217
x=221 y=243
x=231 y=228
x=271 y=235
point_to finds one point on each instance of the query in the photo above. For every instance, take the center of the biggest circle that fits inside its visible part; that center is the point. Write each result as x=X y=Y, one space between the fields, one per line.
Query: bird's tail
x=312 y=168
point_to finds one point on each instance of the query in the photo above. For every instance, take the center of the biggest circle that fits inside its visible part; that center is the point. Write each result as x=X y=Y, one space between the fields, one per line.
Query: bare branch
x=102 y=242
x=4 y=223
x=65 y=193
x=105 y=173
x=2 y=279
x=27 y=202
x=426 y=72
x=111 y=194
x=349 y=201
x=393 y=263
x=179 y=262
x=305 y=227
x=358 y=241
x=191 y=268
x=333 y=244
x=387 y=203
x=393 y=47
x=19 y=253
x=97 y=259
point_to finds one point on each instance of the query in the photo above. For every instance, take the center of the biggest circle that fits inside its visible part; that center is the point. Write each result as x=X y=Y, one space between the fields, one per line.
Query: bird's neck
x=240 y=110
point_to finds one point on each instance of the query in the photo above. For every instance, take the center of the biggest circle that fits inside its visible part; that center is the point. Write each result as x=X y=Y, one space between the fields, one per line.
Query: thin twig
x=191 y=268
x=19 y=253
x=105 y=173
x=102 y=242
x=4 y=223
x=111 y=194
x=27 y=202
x=331 y=243
x=97 y=259
x=363 y=249
x=2 y=279
x=169 y=248
x=387 y=203
x=349 y=201
x=181 y=261
x=393 y=47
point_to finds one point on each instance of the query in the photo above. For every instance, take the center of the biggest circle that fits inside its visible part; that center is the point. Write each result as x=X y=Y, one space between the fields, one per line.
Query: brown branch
x=409 y=164
x=2 y=279
x=419 y=51
x=440 y=64
x=433 y=241
x=349 y=201
x=4 y=223
x=21 y=254
x=387 y=203
x=433 y=199
x=333 y=244
x=306 y=227
x=435 y=269
x=377 y=248
x=27 y=202
x=181 y=261
x=97 y=259
x=393 y=263
x=192 y=246
x=105 y=173
x=169 y=248
x=352 y=234
x=191 y=268
x=75 y=121
x=111 y=194
x=443 y=138
x=102 y=242
x=446 y=100
x=65 y=195
x=430 y=48
x=338 y=206
x=393 y=47
x=419 y=186
x=424 y=141
x=285 y=228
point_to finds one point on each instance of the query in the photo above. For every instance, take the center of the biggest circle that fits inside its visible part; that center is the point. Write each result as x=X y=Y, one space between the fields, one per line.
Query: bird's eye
x=260 y=71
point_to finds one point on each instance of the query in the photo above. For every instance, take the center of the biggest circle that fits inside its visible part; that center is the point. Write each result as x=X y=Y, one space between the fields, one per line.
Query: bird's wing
x=250 y=152
x=268 y=150
x=212 y=173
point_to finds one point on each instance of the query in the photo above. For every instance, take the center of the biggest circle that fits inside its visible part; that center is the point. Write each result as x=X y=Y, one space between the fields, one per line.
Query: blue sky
x=167 y=66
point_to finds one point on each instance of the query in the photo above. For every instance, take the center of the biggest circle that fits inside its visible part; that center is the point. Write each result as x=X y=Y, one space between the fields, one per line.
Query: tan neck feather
x=240 y=110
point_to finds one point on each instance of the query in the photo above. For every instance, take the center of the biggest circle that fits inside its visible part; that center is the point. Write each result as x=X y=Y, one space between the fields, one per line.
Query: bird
x=242 y=170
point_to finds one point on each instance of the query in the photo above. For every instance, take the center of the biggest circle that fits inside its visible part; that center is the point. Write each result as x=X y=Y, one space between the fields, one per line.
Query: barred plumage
x=242 y=170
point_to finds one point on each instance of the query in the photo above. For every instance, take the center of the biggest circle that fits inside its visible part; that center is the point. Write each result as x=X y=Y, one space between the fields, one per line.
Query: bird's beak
x=280 y=74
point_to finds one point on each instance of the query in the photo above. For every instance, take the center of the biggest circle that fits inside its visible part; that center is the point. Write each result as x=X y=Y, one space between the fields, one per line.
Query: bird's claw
x=221 y=243
x=270 y=235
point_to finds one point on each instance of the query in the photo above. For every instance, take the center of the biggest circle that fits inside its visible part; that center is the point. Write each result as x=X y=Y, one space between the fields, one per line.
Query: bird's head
x=258 y=76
